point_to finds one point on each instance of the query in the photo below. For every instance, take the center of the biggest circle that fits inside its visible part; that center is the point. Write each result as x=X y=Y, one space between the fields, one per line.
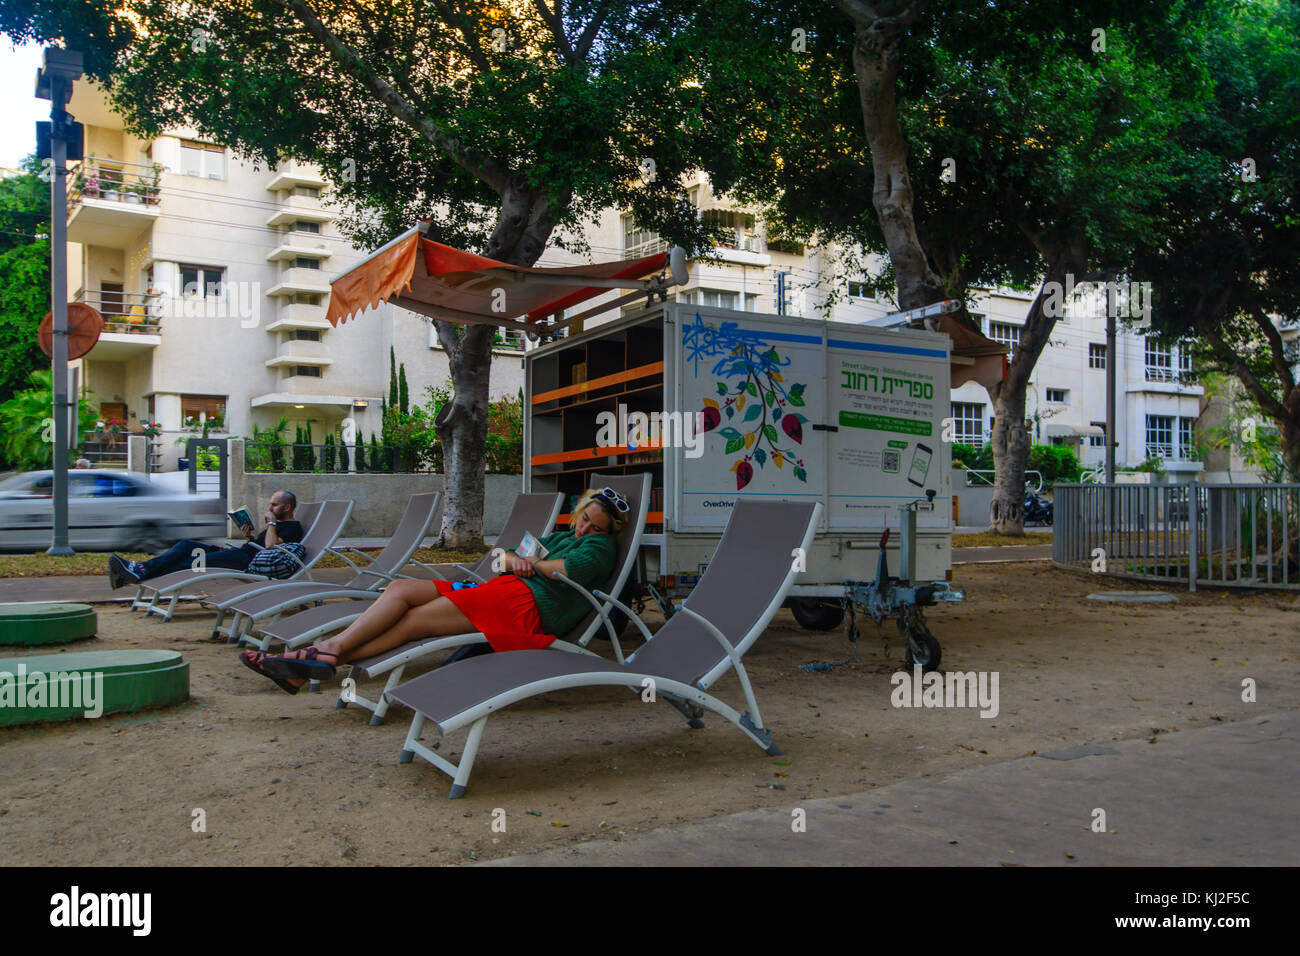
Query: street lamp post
x=54 y=83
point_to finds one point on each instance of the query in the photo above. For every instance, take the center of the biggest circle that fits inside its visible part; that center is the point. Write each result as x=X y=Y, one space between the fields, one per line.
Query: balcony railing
x=134 y=313
x=114 y=181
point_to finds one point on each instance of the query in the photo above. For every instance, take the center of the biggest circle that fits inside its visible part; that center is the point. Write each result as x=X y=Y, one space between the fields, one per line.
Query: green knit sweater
x=588 y=560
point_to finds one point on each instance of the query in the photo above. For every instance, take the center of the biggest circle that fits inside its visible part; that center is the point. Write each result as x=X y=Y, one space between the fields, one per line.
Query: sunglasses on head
x=612 y=499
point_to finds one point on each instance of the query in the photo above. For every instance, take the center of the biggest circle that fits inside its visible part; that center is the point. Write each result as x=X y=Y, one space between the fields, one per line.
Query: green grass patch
x=76 y=565
x=987 y=539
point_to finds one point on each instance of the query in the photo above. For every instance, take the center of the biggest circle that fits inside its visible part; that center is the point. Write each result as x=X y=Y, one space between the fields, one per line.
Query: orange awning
x=455 y=286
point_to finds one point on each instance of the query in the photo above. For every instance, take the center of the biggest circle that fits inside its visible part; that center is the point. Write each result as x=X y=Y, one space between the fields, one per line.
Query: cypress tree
x=374 y=454
x=327 y=454
x=310 y=452
x=392 y=378
x=402 y=394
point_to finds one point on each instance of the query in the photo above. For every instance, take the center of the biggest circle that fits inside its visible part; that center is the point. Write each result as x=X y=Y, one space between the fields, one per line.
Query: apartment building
x=212 y=276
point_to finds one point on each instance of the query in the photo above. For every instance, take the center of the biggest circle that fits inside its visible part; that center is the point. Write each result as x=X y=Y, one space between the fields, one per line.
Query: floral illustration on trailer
x=751 y=394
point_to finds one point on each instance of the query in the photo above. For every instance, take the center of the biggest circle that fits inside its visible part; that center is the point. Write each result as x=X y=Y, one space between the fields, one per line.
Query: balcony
x=111 y=202
x=294 y=173
x=304 y=208
x=131 y=324
x=293 y=281
x=295 y=245
x=299 y=315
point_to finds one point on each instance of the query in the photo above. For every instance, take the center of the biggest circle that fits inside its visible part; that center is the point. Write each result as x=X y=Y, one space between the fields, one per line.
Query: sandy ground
x=292 y=780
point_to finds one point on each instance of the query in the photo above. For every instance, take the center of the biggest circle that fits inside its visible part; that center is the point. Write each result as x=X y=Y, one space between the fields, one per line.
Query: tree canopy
x=24 y=276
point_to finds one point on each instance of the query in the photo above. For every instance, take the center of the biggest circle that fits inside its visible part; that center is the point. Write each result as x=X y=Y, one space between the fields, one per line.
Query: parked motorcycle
x=1037 y=510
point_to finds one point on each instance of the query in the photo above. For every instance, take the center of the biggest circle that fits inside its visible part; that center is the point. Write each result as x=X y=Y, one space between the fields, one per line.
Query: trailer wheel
x=814 y=614
x=920 y=646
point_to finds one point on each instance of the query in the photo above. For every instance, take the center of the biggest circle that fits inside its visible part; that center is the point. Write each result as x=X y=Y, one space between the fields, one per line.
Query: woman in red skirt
x=523 y=608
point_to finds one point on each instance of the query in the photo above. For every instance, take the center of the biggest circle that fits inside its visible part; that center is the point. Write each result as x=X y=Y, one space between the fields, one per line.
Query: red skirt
x=504 y=610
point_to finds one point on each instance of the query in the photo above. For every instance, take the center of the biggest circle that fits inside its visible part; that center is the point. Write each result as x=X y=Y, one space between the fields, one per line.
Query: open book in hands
x=530 y=547
x=240 y=517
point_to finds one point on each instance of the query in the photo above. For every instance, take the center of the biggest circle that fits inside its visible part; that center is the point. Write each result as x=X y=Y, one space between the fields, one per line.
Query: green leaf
x=751 y=388
x=770 y=432
x=769 y=397
x=753 y=412
x=735 y=445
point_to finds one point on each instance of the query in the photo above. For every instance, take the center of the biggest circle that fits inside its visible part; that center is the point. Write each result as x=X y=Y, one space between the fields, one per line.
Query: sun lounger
x=261 y=600
x=534 y=513
x=746 y=582
x=324 y=530
x=636 y=490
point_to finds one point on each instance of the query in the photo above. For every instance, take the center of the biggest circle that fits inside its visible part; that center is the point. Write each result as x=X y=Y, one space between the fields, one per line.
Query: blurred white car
x=107 y=511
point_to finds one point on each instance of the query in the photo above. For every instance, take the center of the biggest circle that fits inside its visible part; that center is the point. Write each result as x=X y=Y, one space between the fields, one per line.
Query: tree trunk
x=877 y=55
x=519 y=238
x=1011 y=443
x=462 y=428
x=1011 y=439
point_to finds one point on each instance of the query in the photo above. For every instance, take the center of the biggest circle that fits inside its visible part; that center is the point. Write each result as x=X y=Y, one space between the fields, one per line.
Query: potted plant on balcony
x=151 y=429
x=90 y=186
x=135 y=193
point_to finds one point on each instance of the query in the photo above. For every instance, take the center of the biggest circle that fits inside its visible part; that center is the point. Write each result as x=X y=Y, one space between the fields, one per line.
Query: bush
x=968 y=456
x=1055 y=462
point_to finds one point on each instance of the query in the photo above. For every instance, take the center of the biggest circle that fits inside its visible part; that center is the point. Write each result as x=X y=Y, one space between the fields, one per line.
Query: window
x=300 y=225
x=857 y=290
x=1184 y=360
x=968 y=423
x=1007 y=334
x=195 y=409
x=1096 y=355
x=311 y=371
x=306 y=335
x=1097 y=441
x=311 y=192
x=1187 y=438
x=305 y=262
x=202 y=280
x=1159 y=362
x=638 y=242
x=1160 y=436
x=306 y=298
x=1057 y=396
x=737 y=227
x=203 y=159
x=716 y=298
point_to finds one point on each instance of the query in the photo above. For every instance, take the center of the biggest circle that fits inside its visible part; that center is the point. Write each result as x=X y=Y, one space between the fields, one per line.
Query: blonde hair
x=617 y=521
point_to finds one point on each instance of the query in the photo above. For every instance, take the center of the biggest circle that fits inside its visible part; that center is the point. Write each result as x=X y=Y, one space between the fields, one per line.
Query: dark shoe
x=308 y=666
x=119 y=573
x=253 y=660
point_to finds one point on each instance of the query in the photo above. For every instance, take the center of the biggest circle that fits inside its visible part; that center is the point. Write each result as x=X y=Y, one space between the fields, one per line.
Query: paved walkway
x=1221 y=796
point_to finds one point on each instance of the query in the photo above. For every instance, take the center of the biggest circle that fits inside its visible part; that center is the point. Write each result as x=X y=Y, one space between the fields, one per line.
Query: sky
x=19 y=108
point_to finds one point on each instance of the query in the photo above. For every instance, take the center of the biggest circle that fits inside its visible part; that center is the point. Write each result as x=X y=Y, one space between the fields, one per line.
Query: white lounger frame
x=749 y=723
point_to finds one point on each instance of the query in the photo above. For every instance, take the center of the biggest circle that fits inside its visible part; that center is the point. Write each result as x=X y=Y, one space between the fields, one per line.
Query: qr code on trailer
x=889 y=461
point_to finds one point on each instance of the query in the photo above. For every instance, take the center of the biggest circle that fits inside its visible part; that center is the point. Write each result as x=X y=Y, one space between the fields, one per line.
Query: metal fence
x=1221 y=535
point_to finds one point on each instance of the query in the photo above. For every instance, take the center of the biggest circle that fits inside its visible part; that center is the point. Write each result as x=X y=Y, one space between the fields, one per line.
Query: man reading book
x=281 y=528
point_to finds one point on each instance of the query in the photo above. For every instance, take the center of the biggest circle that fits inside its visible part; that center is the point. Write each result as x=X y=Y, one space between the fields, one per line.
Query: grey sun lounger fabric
x=534 y=513
x=261 y=599
x=329 y=524
x=744 y=585
x=635 y=489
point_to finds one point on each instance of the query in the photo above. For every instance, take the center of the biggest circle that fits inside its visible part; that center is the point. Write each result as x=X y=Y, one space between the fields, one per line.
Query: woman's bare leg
x=438 y=618
x=382 y=614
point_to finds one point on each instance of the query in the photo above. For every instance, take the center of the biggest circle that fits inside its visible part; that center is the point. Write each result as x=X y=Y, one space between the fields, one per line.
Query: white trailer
x=791 y=408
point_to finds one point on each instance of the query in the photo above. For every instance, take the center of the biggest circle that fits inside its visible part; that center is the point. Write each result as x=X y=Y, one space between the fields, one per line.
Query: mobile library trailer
x=716 y=404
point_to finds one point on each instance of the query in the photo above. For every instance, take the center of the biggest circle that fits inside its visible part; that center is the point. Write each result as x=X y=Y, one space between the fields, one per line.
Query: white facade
x=212 y=275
